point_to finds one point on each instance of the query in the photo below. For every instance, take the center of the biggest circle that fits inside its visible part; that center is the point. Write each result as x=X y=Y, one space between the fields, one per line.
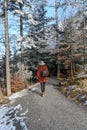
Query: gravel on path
x=53 y=111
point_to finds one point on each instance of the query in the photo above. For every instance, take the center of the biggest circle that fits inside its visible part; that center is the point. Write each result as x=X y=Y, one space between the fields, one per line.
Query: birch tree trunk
x=7 y=51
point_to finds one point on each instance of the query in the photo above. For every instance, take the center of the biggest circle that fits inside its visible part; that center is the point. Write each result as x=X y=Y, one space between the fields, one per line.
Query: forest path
x=53 y=111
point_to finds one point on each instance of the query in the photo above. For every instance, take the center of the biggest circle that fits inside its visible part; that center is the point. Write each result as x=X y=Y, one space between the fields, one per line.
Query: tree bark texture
x=7 y=51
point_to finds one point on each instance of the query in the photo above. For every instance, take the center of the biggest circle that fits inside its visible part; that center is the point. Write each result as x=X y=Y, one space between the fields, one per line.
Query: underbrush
x=76 y=90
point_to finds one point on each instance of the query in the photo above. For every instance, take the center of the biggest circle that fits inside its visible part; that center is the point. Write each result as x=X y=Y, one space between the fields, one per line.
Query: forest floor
x=27 y=110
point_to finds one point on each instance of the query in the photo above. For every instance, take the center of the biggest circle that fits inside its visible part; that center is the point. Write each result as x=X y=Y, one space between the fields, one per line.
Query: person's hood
x=42 y=63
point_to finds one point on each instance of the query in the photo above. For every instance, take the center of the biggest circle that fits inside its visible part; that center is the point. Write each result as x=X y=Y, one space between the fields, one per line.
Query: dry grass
x=78 y=93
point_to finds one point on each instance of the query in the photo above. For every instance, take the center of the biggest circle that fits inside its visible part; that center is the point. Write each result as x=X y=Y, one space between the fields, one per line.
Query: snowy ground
x=12 y=118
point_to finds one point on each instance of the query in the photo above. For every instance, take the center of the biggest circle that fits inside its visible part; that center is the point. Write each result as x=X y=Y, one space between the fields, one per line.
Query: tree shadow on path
x=35 y=91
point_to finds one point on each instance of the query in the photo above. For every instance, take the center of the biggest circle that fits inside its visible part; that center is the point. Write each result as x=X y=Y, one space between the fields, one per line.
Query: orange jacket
x=40 y=68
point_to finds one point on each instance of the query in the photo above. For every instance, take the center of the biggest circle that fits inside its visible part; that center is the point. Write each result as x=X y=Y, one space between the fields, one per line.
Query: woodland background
x=29 y=34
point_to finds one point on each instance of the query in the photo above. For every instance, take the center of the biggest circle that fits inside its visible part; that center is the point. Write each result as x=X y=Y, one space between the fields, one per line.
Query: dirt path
x=52 y=112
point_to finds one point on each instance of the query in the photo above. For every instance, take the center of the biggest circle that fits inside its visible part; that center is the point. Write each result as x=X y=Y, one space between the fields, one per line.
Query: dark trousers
x=42 y=87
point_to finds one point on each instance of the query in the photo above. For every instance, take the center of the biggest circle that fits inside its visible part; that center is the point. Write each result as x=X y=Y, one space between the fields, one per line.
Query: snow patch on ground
x=33 y=89
x=18 y=94
x=11 y=118
x=85 y=103
x=71 y=87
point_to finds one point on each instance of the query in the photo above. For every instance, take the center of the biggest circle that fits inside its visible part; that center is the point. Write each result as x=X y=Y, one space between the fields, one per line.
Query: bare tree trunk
x=7 y=51
x=1 y=95
x=22 y=49
x=56 y=16
x=84 y=50
x=71 y=48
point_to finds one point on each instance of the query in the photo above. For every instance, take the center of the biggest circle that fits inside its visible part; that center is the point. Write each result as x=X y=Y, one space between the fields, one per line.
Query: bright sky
x=61 y=13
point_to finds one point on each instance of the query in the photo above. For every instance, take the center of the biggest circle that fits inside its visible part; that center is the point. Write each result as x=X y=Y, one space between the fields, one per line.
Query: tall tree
x=7 y=50
x=22 y=50
x=56 y=17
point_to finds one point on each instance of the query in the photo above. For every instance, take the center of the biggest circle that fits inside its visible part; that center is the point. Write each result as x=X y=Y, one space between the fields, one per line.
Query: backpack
x=44 y=73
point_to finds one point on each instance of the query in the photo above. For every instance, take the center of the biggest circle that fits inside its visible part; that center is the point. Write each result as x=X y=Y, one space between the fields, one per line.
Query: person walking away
x=42 y=74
